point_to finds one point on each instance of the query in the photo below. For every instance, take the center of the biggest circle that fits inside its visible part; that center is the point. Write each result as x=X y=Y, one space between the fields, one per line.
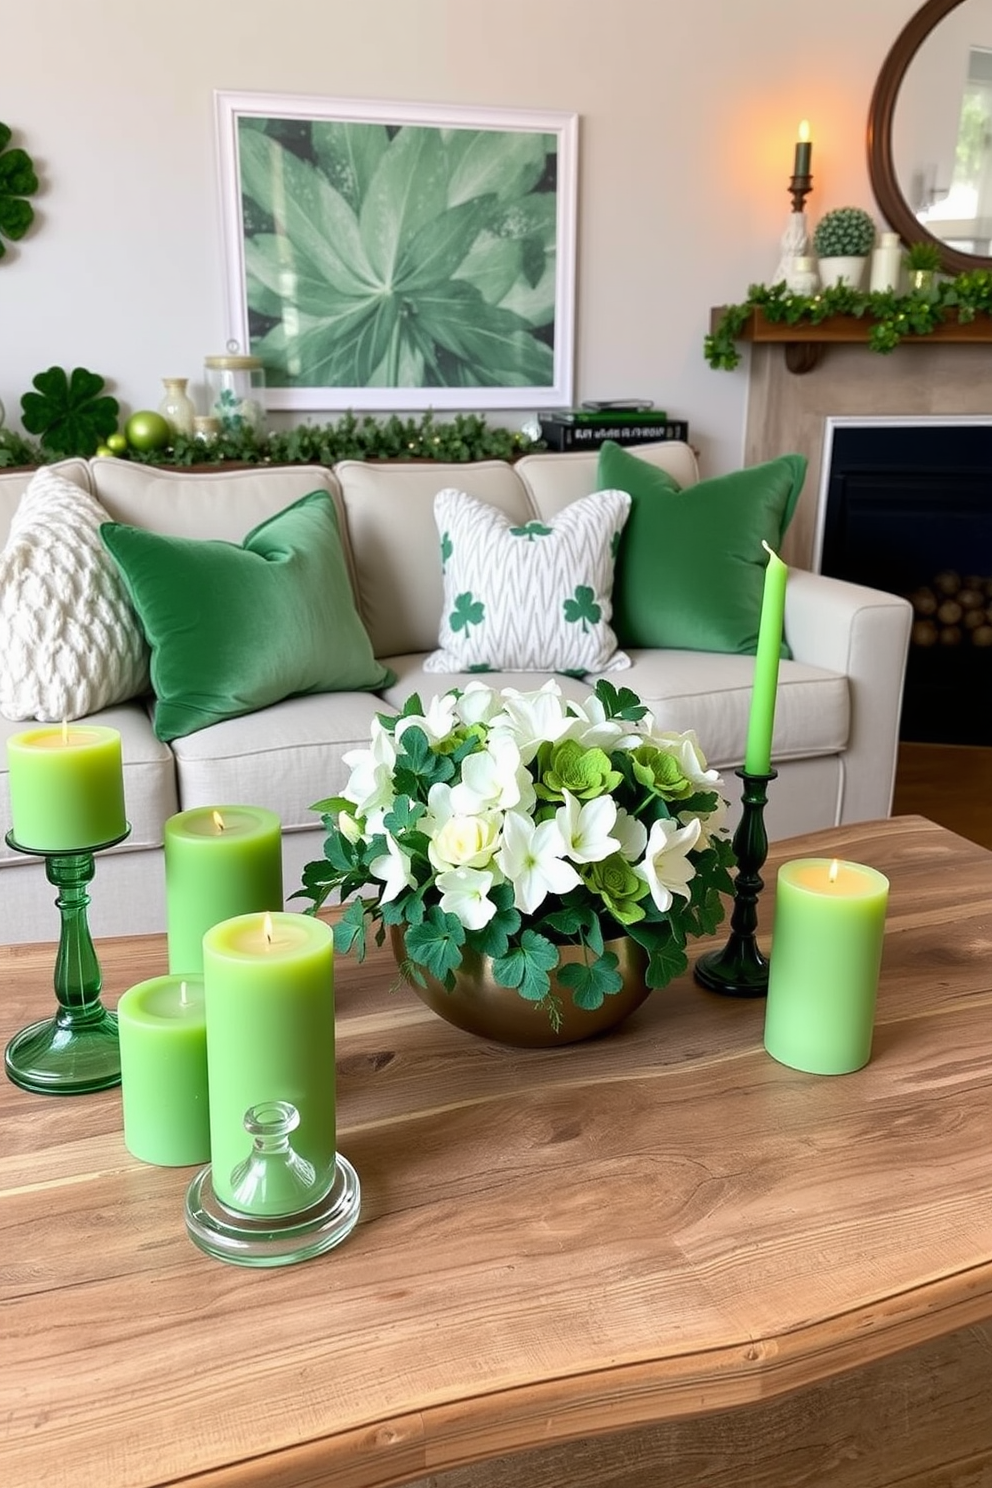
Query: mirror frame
x=881 y=167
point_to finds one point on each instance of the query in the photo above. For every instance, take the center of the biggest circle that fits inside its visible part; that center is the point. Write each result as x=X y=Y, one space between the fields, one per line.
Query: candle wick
x=219 y=821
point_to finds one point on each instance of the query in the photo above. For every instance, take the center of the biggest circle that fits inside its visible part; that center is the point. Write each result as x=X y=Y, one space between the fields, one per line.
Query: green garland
x=465 y=437
x=893 y=316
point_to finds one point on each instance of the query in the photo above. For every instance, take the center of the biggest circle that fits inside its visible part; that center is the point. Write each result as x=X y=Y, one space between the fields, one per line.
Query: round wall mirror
x=930 y=132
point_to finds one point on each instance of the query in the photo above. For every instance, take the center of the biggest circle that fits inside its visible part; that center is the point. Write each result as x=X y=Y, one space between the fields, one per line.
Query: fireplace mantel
x=804 y=345
x=787 y=413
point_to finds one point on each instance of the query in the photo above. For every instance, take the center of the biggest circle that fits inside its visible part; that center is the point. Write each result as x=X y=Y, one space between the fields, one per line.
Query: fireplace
x=906 y=506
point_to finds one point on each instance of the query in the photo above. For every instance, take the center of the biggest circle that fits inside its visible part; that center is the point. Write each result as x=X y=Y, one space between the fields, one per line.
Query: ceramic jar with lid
x=236 y=391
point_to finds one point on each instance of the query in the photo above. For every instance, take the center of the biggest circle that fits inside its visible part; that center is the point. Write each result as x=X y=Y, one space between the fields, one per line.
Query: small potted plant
x=843 y=239
x=922 y=263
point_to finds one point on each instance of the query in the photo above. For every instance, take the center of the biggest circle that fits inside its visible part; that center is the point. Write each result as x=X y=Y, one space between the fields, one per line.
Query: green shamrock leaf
x=592 y=983
x=418 y=766
x=623 y=704
x=437 y=943
x=582 y=608
x=447 y=548
x=468 y=611
x=494 y=938
x=532 y=530
x=526 y=966
x=68 y=412
x=17 y=181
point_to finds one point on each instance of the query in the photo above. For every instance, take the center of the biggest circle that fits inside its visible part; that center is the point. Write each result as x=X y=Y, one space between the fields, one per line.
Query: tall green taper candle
x=823 y=974
x=269 y=988
x=220 y=861
x=761 y=721
x=66 y=787
x=163 y=1036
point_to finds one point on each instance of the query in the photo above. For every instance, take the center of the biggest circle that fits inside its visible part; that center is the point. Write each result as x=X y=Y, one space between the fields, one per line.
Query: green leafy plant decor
x=892 y=316
x=17 y=181
x=846 y=232
x=70 y=414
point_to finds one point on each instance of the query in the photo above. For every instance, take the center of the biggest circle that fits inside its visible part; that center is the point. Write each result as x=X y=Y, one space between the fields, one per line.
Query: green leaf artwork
x=17 y=181
x=582 y=608
x=467 y=612
x=71 y=414
x=381 y=255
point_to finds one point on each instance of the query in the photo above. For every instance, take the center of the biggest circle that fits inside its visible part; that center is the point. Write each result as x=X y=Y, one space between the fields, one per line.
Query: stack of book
x=588 y=428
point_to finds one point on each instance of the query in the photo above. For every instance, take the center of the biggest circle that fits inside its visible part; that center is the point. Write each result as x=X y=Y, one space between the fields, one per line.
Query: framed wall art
x=400 y=256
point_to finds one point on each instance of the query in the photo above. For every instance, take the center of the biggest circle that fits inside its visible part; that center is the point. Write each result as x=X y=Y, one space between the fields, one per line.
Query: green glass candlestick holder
x=287 y=1210
x=739 y=969
x=77 y=1050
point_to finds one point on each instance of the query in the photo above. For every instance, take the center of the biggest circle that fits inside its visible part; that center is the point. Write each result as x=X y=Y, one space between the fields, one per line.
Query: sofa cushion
x=690 y=570
x=149 y=783
x=70 y=642
x=234 y=628
x=528 y=597
x=285 y=757
x=553 y=481
x=390 y=508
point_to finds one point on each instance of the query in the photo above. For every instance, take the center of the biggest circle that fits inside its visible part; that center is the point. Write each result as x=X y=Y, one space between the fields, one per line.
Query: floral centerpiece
x=513 y=824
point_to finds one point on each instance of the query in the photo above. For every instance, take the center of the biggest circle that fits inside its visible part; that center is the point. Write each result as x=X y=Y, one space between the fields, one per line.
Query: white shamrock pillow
x=528 y=598
x=70 y=642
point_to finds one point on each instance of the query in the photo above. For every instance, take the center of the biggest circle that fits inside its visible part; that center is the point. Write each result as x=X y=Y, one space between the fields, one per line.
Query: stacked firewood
x=953 y=611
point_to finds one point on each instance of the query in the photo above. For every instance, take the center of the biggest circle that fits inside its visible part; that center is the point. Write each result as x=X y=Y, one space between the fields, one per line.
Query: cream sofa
x=838 y=704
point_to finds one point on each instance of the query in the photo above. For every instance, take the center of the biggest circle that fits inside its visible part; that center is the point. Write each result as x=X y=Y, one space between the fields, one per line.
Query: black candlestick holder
x=739 y=969
x=78 y=1049
x=799 y=188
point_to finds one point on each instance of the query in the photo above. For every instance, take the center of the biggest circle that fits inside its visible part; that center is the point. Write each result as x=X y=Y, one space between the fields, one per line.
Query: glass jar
x=236 y=391
x=177 y=407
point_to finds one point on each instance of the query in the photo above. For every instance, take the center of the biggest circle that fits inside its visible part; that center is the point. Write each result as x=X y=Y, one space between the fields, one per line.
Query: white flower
x=370 y=783
x=393 y=867
x=437 y=723
x=463 y=893
x=477 y=704
x=713 y=824
x=531 y=857
x=666 y=868
x=533 y=718
x=348 y=827
x=631 y=834
x=465 y=842
x=585 y=828
x=494 y=778
x=591 y=728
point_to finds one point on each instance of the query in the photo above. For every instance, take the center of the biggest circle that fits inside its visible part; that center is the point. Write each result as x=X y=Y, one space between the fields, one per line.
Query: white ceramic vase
x=177 y=407
x=849 y=271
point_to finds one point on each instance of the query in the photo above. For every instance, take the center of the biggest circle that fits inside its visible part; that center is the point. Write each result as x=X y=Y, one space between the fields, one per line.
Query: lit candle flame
x=834 y=870
x=803 y=132
x=218 y=821
x=267 y=929
x=183 y=996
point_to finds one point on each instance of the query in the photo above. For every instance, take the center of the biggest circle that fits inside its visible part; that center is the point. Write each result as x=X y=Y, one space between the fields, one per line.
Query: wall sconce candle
x=804 y=151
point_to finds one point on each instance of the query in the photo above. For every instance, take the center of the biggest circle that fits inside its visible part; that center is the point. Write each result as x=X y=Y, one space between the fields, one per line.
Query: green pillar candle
x=823 y=974
x=220 y=861
x=761 y=722
x=269 y=987
x=66 y=787
x=163 y=1038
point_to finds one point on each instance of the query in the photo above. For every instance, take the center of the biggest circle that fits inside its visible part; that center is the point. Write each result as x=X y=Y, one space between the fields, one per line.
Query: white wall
x=688 y=110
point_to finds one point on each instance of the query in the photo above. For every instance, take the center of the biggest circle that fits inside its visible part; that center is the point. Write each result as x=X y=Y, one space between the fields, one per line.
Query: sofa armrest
x=863 y=634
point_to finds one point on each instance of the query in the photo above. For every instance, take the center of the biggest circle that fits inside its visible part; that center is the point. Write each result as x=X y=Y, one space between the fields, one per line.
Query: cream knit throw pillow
x=70 y=642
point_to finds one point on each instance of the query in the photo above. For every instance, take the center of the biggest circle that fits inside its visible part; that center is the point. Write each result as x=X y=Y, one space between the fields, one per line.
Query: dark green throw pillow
x=691 y=568
x=236 y=628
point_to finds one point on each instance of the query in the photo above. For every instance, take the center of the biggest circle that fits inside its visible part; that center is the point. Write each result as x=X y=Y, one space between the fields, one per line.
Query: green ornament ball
x=147 y=430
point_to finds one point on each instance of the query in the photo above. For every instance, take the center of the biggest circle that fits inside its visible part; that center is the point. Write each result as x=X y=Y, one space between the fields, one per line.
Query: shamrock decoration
x=68 y=413
x=17 y=181
x=468 y=611
x=582 y=607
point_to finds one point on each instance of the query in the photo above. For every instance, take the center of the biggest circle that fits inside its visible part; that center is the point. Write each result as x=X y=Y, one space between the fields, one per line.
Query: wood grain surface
x=612 y=1245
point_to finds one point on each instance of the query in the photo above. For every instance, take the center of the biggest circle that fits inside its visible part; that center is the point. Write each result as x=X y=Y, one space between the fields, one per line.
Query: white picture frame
x=400 y=256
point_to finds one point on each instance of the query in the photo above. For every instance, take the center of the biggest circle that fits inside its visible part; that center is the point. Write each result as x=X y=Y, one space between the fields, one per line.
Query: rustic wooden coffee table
x=660 y=1258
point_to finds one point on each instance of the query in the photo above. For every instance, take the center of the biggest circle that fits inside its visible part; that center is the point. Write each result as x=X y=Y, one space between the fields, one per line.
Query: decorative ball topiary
x=846 y=232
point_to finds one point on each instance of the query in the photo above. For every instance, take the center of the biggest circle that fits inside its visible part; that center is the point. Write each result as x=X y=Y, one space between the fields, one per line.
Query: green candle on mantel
x=163 y=1038
x=66 y=787
x=761 y=721
x=220 y=861
x=826 y=952
x=269 y=988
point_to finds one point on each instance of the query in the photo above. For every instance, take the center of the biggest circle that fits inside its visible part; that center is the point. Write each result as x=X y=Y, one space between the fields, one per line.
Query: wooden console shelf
x=805 y=344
